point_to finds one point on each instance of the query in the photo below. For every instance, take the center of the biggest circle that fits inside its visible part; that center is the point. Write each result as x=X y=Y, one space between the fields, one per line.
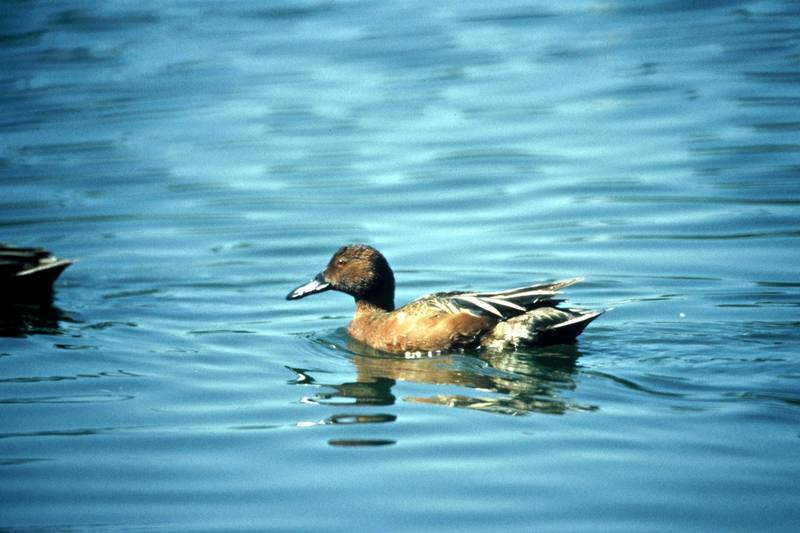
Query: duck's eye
x=341 y=261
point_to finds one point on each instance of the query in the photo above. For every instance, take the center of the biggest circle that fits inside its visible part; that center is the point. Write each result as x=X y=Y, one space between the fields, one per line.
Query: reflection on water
x=511 y=382
x=18 y=319
x=376 y=391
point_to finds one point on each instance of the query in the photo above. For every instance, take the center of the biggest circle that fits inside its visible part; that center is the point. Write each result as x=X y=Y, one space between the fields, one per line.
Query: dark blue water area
x=199 y=159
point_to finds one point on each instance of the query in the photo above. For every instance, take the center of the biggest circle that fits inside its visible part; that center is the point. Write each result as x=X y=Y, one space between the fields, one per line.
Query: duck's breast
x=412 y=330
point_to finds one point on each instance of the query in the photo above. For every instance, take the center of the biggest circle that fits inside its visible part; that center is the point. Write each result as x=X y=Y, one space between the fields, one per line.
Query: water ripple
x=70 y=398
x=42 y=379
x=202 y=157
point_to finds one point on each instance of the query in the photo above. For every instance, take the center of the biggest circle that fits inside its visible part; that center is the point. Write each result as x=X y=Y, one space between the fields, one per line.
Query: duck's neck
x=379 y=294
x=372 y=305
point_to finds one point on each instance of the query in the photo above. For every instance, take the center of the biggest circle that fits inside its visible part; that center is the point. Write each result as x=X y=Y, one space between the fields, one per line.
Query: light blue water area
x=199 y=159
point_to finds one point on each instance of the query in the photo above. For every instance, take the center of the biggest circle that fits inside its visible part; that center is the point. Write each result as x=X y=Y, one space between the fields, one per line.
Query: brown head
x=358 y=270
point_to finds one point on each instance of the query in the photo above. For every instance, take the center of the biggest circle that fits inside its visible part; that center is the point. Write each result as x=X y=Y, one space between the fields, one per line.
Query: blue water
x=200 y=158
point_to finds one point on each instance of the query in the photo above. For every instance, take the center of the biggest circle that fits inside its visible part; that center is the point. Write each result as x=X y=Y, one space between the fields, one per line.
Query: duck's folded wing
x=501 y=304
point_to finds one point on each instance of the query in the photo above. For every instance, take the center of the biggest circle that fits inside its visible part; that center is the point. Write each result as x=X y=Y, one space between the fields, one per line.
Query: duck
x=444 y=321
x=27 y=272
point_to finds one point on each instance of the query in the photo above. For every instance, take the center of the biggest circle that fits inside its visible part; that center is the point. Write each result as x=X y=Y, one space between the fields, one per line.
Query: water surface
x=200 y=159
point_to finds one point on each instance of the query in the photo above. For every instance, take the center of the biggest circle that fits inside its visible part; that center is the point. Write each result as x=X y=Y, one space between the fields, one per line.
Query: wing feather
x=502 y=304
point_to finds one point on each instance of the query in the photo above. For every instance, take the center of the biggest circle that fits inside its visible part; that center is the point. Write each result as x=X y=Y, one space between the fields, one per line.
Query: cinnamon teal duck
x=444 y=320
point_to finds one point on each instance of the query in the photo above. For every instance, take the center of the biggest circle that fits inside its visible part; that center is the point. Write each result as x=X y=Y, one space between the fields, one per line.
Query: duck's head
x=358 y=270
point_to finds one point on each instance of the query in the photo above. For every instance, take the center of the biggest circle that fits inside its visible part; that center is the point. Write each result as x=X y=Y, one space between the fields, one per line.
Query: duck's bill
x=318 y=284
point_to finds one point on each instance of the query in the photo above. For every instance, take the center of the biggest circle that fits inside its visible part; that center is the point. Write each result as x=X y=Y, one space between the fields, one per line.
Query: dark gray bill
x=318 y=284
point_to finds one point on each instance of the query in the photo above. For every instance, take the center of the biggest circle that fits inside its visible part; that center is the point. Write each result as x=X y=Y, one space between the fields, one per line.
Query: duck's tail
x=541 y=326
x=567 y=331
x=28 y=272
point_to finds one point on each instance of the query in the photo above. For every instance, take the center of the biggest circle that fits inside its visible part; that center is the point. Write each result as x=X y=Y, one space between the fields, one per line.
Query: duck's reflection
x=20 y=318
x=377 y=391
x=512 y=383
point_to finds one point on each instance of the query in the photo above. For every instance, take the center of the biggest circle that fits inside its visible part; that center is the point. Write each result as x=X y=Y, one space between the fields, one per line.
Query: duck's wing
x=501 y=304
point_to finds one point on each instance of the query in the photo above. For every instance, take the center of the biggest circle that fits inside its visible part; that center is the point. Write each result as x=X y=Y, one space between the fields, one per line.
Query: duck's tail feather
x=545 y=325
x=28 y=271
x=44 y=274
x=568 y=331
